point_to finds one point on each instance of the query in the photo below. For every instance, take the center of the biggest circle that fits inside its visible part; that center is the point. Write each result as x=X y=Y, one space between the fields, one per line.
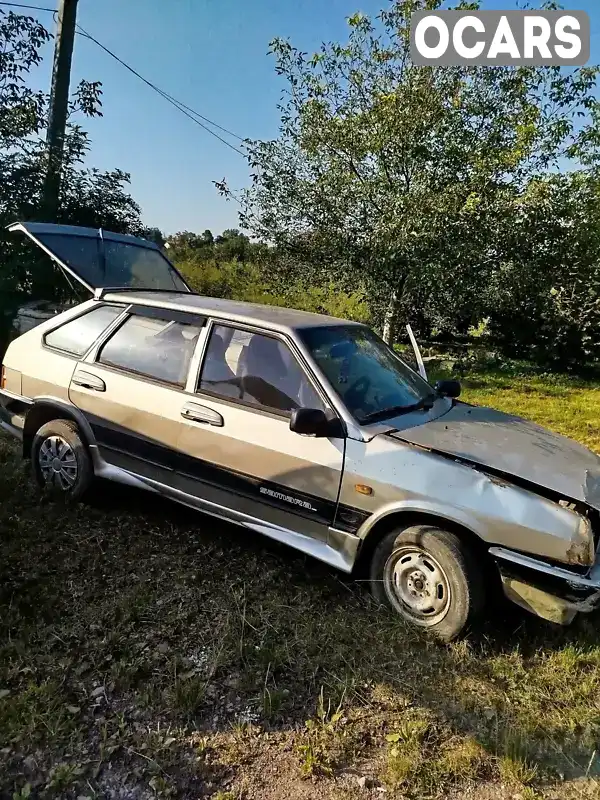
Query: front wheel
x=429 y=577
x=61 y=462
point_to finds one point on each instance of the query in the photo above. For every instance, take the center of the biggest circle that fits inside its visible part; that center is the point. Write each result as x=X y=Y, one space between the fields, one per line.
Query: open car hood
x=513 y=446
x=99 y=259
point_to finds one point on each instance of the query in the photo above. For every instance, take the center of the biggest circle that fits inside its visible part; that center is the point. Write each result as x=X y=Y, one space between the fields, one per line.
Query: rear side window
x=155 y=348
x=77 y=336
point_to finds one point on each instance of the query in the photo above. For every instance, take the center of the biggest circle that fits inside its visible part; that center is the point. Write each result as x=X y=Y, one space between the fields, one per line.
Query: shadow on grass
x=353 y=644
x=197 y=627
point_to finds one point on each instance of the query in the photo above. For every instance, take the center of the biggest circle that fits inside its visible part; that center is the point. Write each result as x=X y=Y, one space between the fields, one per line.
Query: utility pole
x=59 y=107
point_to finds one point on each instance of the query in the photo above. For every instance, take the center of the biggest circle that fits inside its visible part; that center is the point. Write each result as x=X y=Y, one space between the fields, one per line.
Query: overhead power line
x=189 y=112
x=33 y=8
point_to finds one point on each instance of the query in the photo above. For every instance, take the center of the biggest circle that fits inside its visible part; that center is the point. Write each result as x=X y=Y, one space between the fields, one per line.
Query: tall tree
x=88 y=196
x=396 y=176
x=153 y=235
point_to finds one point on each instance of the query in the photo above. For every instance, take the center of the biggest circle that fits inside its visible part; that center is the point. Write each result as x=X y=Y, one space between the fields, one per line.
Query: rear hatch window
x=100 y=259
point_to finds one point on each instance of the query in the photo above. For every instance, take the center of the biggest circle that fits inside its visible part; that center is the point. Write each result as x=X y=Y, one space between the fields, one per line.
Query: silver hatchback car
x=302 y=427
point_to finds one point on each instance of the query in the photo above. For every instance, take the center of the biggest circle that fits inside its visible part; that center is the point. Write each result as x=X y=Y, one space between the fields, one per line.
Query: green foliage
x=63 y=777
x=551 y=281
x=231 y=245
x=38 y=711
x=256 y=280
x=436 y=190
x=322 y=739
x=88 y=196
x=462 y=200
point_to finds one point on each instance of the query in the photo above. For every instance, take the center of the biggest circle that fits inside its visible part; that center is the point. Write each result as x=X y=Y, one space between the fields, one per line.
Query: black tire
x=76 y=472
x=451 y=594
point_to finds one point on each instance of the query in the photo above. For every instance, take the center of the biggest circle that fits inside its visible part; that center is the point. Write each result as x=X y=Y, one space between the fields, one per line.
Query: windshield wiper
x=395 y=411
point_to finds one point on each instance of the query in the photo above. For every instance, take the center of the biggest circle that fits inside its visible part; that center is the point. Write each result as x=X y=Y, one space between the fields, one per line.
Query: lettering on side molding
x=287 y=498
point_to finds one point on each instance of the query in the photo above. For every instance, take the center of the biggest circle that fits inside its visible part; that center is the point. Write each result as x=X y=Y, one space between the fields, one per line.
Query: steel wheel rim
x=417 y=586
x=57 y=463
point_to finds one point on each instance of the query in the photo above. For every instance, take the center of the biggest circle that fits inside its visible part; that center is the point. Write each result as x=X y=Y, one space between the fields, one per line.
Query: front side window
x=155 y=348
x=368 y=376
x=256 y=369
x=77 y=336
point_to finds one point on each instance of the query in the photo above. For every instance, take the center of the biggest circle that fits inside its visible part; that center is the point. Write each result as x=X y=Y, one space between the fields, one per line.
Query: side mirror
x=315 y=422
x=448 y=388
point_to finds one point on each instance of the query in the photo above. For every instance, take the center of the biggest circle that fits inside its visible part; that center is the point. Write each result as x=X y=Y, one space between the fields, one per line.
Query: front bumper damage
x=551 y=592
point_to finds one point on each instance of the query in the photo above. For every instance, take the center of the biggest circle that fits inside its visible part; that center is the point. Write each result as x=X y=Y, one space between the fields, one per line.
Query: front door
x=239 y=450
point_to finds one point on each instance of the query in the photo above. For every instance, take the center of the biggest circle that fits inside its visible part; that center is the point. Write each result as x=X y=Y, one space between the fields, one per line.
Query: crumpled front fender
x=405 y=478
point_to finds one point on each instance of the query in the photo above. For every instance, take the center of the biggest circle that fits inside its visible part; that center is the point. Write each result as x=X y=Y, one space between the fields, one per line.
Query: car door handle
x=89 y=381
x=198 y=413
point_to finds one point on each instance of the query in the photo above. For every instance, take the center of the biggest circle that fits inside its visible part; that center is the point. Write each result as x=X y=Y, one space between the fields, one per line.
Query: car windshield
x=368 y=376
x=110 y=263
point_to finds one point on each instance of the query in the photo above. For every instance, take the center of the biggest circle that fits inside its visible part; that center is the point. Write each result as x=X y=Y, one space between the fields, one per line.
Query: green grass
x=563 y=404
x=145 y=646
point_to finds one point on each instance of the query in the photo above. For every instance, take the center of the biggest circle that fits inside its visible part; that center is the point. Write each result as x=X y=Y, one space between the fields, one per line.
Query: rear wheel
x=429 y=577
x=61 y=461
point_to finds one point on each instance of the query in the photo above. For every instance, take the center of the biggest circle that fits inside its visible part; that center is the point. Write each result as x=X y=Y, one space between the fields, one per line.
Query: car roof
x=275 y=317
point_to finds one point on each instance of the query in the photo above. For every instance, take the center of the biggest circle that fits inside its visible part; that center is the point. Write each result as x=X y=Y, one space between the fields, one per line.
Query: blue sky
x=211 y=55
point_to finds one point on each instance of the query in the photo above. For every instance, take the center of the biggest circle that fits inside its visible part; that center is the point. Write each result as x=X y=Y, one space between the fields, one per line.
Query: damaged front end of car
x=557 y=592
x=554 y=591
x=539 y=494
x=553 y=583
x=551 y=592
x=558 y=582
x=559 y=587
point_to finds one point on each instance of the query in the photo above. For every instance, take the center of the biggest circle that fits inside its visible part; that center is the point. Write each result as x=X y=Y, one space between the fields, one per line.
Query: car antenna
x=102 y=252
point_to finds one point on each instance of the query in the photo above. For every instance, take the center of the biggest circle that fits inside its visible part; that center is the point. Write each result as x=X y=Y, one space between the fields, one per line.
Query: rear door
x=131 y=389
x=236 y=444
x=99 y=259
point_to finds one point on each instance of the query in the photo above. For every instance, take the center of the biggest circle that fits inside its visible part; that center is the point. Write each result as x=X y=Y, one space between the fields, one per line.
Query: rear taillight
x=2 y=378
